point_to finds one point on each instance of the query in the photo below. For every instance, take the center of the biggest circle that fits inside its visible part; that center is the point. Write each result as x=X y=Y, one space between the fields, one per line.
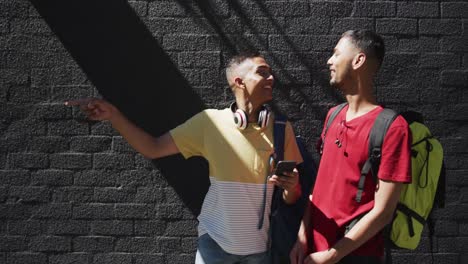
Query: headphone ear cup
x=240 y=119
x=263 y=117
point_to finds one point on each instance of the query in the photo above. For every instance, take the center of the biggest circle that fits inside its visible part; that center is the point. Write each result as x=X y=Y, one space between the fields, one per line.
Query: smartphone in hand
x=284 y=166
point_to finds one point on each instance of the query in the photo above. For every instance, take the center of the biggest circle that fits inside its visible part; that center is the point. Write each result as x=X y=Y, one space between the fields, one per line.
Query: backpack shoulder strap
x=376 y=137
x=279 y=127
x=333 y=116
x=278 y=136
x=329 y=122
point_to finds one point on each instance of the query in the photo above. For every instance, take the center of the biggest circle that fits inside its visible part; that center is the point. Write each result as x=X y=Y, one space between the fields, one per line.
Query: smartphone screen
x=284 y=166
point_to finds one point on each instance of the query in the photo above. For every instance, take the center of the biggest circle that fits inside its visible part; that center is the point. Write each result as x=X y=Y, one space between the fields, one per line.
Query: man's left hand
x=289 y=182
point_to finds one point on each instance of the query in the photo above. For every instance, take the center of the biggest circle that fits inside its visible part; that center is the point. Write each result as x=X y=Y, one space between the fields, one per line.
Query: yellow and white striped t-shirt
x=238 y=166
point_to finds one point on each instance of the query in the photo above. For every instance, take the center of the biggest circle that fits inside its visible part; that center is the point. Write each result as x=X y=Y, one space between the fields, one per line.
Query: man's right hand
x=140 y=140
x=95 y=109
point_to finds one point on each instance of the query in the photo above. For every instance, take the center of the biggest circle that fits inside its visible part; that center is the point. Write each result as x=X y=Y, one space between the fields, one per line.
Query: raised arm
x=140 y=140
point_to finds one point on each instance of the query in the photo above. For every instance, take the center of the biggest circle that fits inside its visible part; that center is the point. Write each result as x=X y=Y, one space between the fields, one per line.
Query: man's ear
x=359 y=60
x=239 y=82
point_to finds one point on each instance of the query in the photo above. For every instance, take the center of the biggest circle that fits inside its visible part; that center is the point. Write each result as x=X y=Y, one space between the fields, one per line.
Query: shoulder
x=281 y=119
x=399 y=124
x=398 y=131
x=332 y=109
x=217 y=112
x=210 y=113
x=400 y=121
x=289 y=127
x=341 y=107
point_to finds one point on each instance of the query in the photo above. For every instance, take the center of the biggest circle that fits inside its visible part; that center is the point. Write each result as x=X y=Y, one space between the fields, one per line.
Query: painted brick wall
x=75 y=192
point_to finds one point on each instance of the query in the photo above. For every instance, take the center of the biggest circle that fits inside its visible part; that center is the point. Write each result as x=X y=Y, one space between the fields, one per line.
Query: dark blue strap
x=278 y=135
x=278 y=141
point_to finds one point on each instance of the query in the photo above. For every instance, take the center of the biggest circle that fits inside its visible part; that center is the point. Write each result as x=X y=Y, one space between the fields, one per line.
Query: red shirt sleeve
x=395 y=164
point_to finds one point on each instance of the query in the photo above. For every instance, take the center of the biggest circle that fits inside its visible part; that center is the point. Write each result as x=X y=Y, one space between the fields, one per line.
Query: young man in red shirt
x=322 y=239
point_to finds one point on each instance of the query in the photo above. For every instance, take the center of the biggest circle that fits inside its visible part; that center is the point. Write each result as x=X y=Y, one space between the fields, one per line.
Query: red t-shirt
x=333 y=201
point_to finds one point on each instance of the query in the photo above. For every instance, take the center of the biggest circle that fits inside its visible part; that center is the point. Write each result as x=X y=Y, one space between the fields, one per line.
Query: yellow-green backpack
x=417 y=198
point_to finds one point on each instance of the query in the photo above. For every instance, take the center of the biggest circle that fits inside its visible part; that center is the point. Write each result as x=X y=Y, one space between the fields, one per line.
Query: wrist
x=333 y=255
x=116 y=117
x=293 y=194
x=295 y=190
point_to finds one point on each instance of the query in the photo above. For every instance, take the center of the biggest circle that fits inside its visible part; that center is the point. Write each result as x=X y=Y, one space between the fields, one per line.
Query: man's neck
x=249 y=108
x=361 y=100
x=358 y=106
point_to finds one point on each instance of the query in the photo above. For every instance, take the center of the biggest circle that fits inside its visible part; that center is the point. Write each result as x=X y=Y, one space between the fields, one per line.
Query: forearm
x=385 y=201
x=150 y=147
x=304 y=229
x=139 y=139
x=367 y=227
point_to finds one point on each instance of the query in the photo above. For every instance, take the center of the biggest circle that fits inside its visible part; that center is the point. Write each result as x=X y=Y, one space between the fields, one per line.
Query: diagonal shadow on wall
x=309 y=65
x=233 y=39
x=130 y=69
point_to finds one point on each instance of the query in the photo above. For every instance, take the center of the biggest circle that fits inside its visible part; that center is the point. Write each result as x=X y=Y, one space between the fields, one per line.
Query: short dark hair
x=239 y=58
x=368 y=42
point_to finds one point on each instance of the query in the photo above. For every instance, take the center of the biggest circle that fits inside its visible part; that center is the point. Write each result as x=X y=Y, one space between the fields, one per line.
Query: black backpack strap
x=330 y=121
x=410 y=215
x=279 y=133
x=279 y=129
x=376 y=138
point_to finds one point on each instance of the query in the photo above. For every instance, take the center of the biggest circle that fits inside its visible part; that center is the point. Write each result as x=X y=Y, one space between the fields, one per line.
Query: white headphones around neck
x=241 y=120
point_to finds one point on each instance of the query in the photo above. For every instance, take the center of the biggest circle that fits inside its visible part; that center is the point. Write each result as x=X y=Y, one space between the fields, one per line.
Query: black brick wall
x=74 y=192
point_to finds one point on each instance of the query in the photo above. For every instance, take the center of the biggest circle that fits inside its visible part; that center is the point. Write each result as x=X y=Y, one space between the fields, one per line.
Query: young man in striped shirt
x=238 y=144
